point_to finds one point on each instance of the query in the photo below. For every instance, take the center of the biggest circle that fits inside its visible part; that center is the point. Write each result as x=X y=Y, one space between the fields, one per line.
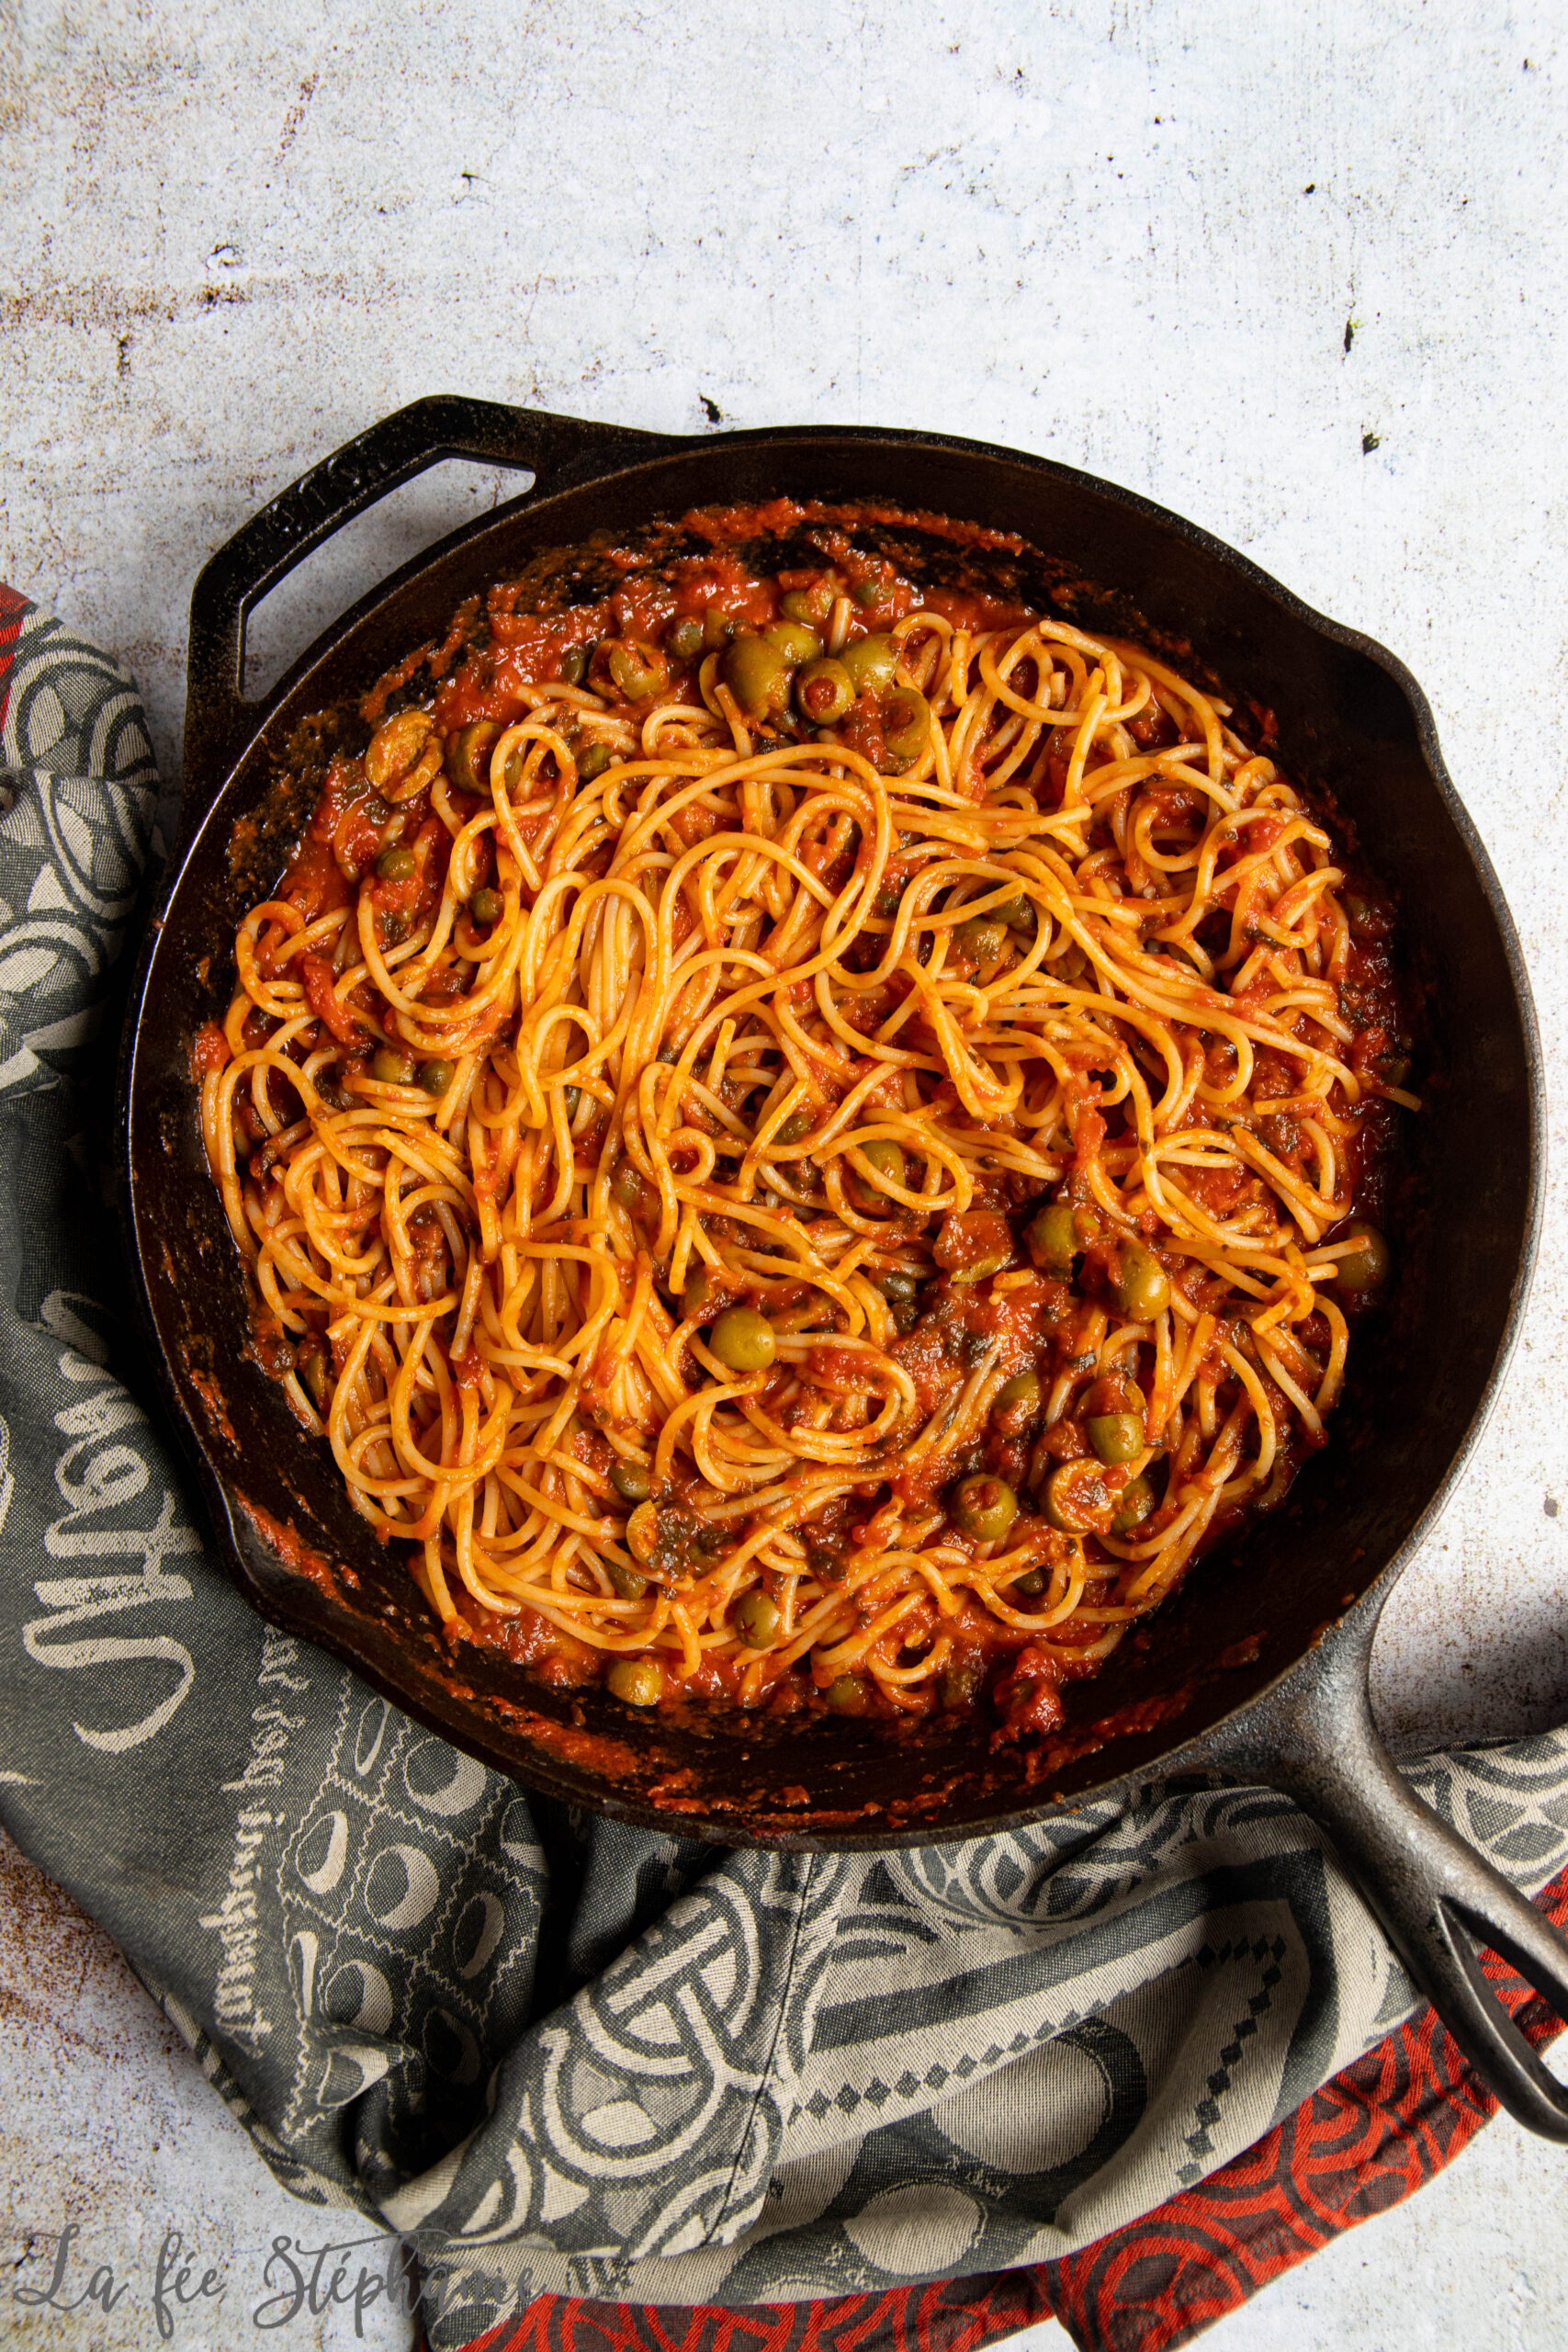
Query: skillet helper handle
x=556 y=449
x=1316 y=1740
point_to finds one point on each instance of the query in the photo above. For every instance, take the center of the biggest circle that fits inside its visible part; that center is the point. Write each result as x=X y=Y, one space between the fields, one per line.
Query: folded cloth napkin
x=560 y=2055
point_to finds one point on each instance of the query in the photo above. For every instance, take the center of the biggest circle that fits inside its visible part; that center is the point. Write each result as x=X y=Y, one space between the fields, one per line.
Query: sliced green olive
x=640 y=1681
x=757 y=1618
x=757 y=676
x=1018 y=1403
x=486 y=907
x=823 y=692
x=626 y=1581
x=846 y=1694
x=1133 y=1505
x=314 y=1365
x=637 y=669
x=719 y=629
x=1050 y=1239
x=642 y=1532
x=1115 y=1437
x=1363 y=1271
x=983 y=937
x=795 y=642
x=1076 y=1499
x=685 y=637
x=1141 y=1286
x=574 y=665
x=436 y=1077
x=468 y=754
x=397 y=865
x=796 y=1128
x=907 y=723
x=742 y=1339
x=887 y=1158
x=593 y=761
x=871 y=663
x=810 y=605
x=632 y=1481
x=626 y=1185
x=392 y=1068
x=985 y=1507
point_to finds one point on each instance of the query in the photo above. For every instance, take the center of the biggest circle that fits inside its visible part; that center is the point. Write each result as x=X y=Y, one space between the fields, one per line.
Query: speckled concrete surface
x=1301 y=275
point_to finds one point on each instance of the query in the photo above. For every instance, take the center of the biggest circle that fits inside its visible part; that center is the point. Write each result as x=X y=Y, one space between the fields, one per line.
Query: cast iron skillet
x=1257 y=1671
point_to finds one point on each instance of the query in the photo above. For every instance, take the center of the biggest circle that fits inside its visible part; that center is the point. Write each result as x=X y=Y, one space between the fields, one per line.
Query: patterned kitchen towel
x=559 y=2054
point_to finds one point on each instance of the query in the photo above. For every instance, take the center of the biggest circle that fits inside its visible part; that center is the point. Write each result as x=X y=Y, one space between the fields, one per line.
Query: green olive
x=757 y=1618
x=907 y=723
x=1019 y=914
x=887 y=1158
x=823 y=692
x=390 y=1066
x=1363 y=1271
x=846 y=1694
x=637 y=669
x=628 y=1584
x=983 y=937
x=468 y=754
x=1017 y=1404
x=796 y=643
x=314 y=1365
x=871 y=663
x=1133 y=1505
x=1050 y=1239
x=742 y=1339
x=719 y=629
x=397 y=865
x=1115 y=1437
x=574 y=665
x=626 y=1185
x=757 y=676
x=642 y=1532
x=632 y=1481
x=436 y=1077
x=1141 y=1286
x=985 y=1507
x=637 y=1681
x=685 y=637
x=697 y=1297
x=810 y=605
x=796 y=1128
x=486 y=907
x=592 y=762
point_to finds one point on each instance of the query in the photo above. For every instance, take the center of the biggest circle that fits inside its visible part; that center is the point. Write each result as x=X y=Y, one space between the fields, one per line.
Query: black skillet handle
x=556 y=449
x=1316 y=1739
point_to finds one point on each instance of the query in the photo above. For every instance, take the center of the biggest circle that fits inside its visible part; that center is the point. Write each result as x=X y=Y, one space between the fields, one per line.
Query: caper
x=574 y=665
x=632 y=1481
x=1019 y=914
x=895 y=1283
x=905 y=1314
x=1363 y=1271
x=640 y=1681
x=1141 y=1286
x=742 y=1339
x=907 y=723
x=697 y=1297
x=1050 y=1239
x=397 y=863
x=467 y=752
x=642 y=1532
x=1132 y=1506
x=685 y=637
x=390 y=1066
x=637 y=669
x=983 y=937
x=796 y=643
x=1115 y=1437
x=823 y=692
x=846 y=1694
x=486 y=907
x=592 y=762
x=314 y=1365
x=1018 y=1403
x=958 y=1684
x=628 y=1584
x=757 y=1618
x=796 y=1128
x=1030 y=1585
x=871 y=663
x=436 y=1077
x=626 y=1185
x=757 y=676
x=394 y=929
x=868 y=592
x=985 y=1507
x=886 y=1157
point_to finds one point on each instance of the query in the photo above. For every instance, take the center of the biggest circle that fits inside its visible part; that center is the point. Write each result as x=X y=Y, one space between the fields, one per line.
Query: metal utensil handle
x=1316 y=1740
x=556 y=449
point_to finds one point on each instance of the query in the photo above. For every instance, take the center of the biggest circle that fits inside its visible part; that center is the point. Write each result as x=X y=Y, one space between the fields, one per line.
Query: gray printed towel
x=556 y=2053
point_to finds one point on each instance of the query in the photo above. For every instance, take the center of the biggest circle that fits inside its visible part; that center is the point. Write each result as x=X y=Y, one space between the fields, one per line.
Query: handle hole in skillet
x=1541 y=2020
x=333 y=576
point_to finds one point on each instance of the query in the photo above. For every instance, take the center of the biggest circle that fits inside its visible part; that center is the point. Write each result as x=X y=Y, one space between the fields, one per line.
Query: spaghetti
x=813 y=1148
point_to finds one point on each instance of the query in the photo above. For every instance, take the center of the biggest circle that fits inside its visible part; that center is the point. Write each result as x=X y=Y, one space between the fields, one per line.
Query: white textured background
x=1299 y=272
